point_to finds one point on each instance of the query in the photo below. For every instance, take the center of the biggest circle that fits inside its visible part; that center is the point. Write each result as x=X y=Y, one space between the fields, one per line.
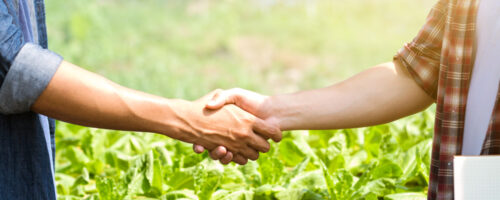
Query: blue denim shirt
x=26 y=67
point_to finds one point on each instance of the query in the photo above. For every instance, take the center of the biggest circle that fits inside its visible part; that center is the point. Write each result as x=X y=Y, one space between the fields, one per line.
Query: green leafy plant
x=389 y=161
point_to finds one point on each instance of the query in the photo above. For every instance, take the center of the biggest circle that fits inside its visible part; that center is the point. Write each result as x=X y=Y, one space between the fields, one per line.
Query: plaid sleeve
x=421 y=57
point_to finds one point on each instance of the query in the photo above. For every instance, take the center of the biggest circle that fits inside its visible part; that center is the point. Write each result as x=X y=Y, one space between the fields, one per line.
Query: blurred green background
x=186 y=48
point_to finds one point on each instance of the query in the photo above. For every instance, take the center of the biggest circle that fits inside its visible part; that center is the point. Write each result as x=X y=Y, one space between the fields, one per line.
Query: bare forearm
x=78 y=96
x=81 y=97
x=378 y=95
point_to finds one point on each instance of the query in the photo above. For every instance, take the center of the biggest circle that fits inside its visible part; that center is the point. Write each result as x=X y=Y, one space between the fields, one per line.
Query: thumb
x=218 y=100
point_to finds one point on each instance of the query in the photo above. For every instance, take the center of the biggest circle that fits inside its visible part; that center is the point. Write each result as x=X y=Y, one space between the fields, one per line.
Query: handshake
x=233 y=125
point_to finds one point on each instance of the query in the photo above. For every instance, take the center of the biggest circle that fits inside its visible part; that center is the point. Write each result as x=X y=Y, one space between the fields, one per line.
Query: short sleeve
x=421 y=57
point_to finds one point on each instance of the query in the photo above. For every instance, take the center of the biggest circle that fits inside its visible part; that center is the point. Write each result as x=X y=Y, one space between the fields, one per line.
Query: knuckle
x=269 y=131
x=244 y=135
x=276 y=131
x=248 y=120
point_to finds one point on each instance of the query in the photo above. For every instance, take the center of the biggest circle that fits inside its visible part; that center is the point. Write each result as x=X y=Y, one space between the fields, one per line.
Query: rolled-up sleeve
x=421 y=57
x=29 y=75
x=26 y=68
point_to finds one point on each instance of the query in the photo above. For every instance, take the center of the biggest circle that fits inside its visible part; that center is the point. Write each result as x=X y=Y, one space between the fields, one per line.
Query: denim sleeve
x=25 y=68
x=11 y=37
x=29 y=75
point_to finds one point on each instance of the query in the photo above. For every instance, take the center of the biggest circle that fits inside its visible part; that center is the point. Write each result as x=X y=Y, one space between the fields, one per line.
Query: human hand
x=239 y=132
x=249 y=101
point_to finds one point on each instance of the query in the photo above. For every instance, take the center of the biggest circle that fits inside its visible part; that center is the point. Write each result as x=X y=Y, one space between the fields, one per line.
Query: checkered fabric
x=441 y=59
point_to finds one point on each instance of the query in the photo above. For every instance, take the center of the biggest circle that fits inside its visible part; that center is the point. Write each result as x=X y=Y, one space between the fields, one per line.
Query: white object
x=485 y=77
x=477 y=177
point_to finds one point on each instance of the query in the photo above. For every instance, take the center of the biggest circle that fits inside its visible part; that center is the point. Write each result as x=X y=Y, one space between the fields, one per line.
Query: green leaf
x=371 y=196
x=165 y=156
x=180 y=195
x=83 y=179
x=329 y=181
x=239 y=195
x=118 y=159
x=181 y=179
x=76 y=156
x=136 y=145
x=267 y=192
x=207 y=179
x=380 y=187
x=406 y=196
x=296 y=171
x=373 y=141
x=233 y=179
x=289 y=153
x=109 y=190
x=251 y=172
x=271 y=169
x=344 y=182
x=153 y=174
x=312 y=180
x=386 y=169
x=64 y=183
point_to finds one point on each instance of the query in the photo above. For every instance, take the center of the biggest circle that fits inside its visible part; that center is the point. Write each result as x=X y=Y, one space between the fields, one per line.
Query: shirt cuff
x=29 y=75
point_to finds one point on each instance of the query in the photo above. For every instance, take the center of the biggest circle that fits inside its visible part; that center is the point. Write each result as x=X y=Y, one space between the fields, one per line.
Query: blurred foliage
x=186 y=48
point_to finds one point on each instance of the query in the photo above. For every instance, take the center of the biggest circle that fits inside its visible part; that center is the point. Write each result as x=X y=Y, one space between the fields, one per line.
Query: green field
x=184 y=49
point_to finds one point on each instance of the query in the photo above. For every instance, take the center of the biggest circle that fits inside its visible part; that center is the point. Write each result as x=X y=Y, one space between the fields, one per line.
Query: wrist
x=175 y=121
x=275 y=111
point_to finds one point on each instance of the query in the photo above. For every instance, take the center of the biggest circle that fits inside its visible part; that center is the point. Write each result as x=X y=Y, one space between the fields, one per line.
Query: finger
x=198 y=148
x=219 y=100
x=211 y=94
x=227 y=159
x=250 y=153
x=267 y=130
x=258 y=143
x=218 y=153
x=237 y=158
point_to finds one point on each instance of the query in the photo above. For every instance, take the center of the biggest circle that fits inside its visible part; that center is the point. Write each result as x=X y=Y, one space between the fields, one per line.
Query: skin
x=381 y=94
x=81 y=97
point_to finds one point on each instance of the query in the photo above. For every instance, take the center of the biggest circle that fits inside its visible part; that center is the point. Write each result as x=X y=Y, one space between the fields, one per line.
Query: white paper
x=477 y=177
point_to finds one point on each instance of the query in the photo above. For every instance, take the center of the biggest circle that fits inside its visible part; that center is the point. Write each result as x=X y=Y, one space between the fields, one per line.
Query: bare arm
x=78 y=96
x=381 y=94
x=378 y=95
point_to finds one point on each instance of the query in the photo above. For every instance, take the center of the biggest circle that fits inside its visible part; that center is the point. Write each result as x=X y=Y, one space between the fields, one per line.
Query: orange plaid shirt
x=441 y=59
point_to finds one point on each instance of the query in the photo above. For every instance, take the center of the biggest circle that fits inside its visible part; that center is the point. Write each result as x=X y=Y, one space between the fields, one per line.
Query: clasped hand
x=261 y=126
